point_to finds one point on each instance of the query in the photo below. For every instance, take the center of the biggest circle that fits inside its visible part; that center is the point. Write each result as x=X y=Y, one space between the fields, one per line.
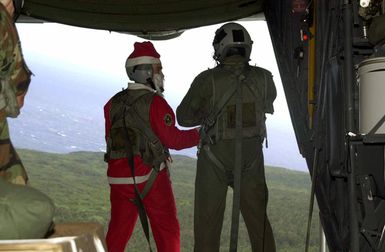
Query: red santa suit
x=159 y=202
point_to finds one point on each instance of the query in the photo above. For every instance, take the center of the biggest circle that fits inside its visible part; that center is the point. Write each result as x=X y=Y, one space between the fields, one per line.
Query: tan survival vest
x=255 y=101
x=129 y=115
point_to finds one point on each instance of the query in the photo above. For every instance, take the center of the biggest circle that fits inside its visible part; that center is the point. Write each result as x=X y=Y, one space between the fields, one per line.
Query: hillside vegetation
x=77 y=183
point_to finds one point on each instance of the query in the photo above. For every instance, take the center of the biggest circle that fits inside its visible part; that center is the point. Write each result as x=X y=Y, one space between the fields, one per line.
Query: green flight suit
x=217 y=152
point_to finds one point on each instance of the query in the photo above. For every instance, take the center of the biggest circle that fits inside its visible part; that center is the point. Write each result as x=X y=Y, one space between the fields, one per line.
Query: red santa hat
x=144 y=53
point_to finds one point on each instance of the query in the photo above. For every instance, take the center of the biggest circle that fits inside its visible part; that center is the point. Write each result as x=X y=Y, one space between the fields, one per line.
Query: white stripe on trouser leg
x=130 y=180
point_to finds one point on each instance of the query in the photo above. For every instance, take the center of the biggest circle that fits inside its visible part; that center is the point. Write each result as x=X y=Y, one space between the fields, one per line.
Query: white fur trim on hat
x=142 y=60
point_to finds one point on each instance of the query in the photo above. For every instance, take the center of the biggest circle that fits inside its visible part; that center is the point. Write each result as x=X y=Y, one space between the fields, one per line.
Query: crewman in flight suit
x=212 y=102
x=140 y=119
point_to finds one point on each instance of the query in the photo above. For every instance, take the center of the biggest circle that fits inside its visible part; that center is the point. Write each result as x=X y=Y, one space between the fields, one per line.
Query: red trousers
x=161 y=211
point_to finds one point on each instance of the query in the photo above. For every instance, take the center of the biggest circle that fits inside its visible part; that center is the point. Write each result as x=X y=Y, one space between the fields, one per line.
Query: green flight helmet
x=232 y=38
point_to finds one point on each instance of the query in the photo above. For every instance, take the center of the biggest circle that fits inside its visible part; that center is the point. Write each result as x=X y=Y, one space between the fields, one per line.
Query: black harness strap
x=209 y=122
x=237 y=167
x=211 y=118
x=138 y=198
x=157 y=162
x=11 y=163
x=5 y=141
x=150 y=181
x=14 y=160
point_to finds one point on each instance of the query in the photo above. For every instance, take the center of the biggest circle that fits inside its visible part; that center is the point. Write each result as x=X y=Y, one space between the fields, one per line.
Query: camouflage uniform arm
x=14 y=74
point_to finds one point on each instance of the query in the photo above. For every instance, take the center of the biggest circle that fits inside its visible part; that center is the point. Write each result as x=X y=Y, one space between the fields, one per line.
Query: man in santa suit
x=140 y=126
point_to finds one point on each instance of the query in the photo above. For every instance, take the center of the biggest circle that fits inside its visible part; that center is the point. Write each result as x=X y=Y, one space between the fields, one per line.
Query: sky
x=104 y=53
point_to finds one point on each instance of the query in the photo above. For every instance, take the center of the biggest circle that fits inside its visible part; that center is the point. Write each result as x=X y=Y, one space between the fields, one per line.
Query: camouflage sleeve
x=14 y=74
x=7 y=63
x=5 y=55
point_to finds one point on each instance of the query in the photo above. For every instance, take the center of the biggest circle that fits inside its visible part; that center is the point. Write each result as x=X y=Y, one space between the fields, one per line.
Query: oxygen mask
x=158 y=80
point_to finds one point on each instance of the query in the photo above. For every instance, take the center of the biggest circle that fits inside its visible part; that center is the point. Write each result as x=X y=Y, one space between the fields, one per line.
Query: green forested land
x=77 y=183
